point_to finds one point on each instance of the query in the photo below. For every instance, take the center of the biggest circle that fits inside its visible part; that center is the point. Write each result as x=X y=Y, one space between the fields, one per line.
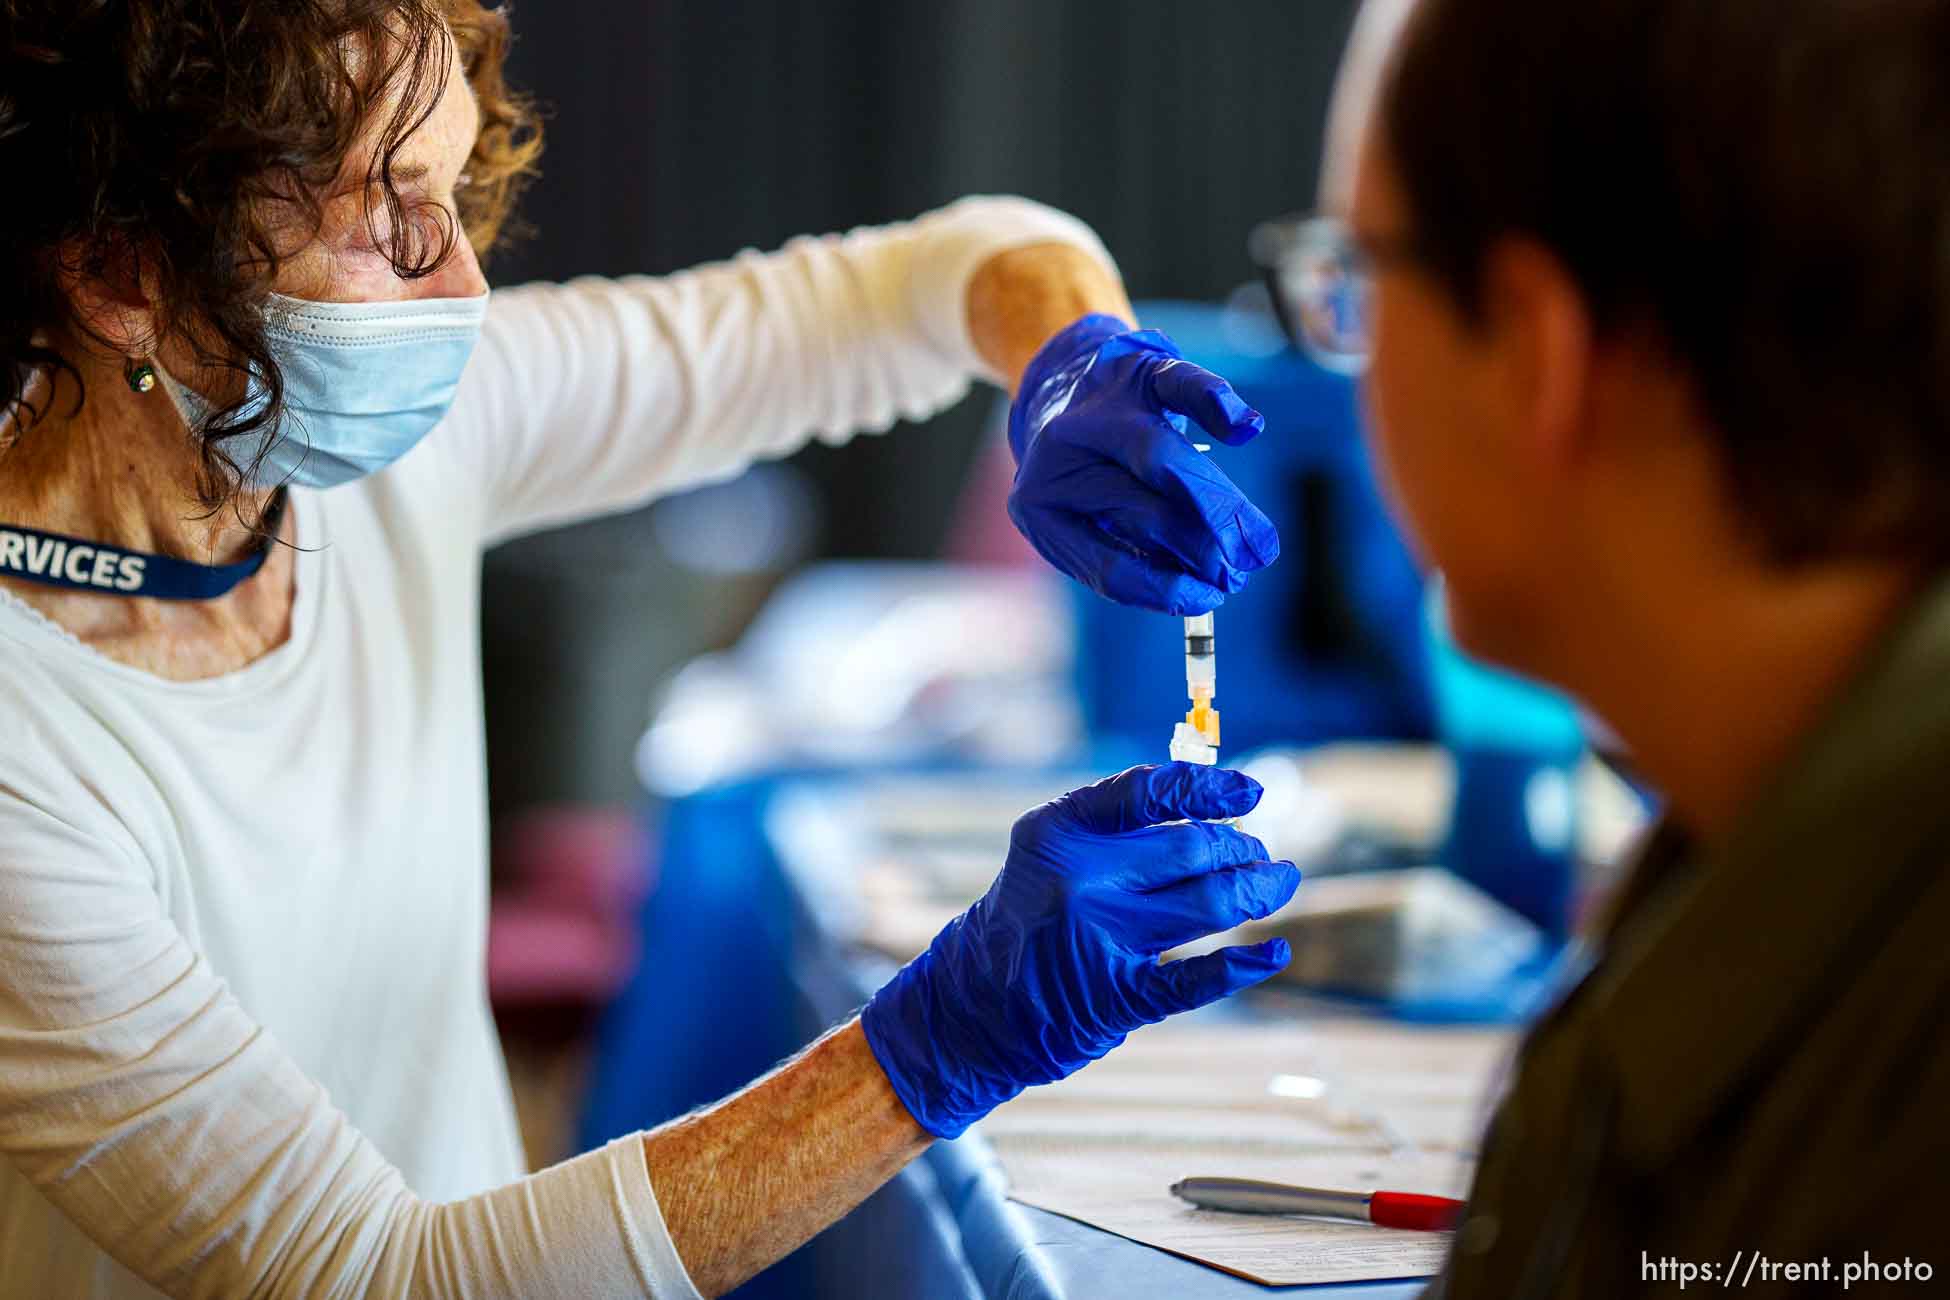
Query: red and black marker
x=1385 y=1209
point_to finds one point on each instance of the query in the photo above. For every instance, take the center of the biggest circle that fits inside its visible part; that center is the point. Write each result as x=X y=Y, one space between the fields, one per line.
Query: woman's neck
x=120 y=469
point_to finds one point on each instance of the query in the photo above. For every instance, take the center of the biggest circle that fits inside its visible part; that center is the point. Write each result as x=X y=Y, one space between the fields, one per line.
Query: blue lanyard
x=57 y=560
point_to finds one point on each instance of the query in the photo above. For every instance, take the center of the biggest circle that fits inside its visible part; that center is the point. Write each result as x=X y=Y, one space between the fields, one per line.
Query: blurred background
x=681 y=131
x=753 y=744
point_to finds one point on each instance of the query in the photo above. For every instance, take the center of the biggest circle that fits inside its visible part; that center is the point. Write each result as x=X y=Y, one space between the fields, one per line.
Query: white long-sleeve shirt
x=244 y=1039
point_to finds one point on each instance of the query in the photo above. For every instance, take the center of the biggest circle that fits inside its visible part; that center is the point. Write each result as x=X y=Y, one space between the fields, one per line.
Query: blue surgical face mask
x=363 y=383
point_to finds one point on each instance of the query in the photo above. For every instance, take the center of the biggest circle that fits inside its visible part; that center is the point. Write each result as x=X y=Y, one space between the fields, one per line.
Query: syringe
x=1196 y=739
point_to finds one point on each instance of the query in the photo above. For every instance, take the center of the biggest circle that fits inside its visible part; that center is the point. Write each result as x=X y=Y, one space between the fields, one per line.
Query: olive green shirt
x=1756 y=1071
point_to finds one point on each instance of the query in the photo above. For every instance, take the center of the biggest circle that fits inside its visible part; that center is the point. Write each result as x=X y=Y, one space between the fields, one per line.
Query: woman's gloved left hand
x=1109 y=487
x=1059 y=960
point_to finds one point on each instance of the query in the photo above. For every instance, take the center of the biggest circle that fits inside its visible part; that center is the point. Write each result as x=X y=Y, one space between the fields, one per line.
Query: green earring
x=141 y=376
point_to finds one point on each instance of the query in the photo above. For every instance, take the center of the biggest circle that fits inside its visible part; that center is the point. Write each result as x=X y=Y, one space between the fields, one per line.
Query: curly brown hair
x=190 y=145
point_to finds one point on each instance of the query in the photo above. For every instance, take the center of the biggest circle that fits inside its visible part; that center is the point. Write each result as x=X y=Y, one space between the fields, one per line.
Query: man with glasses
x=1654 y=302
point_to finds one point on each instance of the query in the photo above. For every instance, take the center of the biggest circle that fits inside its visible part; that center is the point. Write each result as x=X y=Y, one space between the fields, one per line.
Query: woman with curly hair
x=257 y=420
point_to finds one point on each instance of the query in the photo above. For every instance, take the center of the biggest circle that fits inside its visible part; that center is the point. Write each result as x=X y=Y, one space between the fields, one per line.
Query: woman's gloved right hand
x=1058 y=961
x=1111 y=489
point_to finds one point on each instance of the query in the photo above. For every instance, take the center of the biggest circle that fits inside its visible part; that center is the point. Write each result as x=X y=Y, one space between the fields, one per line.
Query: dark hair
x=194 y=141
x=1761 y=189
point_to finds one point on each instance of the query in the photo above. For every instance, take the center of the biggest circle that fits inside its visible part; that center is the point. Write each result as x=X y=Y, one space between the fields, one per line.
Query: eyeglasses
x=1322 y=282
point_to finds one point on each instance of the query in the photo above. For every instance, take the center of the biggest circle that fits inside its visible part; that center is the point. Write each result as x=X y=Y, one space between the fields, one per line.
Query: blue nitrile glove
x=1109 y=488
x=1058 y=961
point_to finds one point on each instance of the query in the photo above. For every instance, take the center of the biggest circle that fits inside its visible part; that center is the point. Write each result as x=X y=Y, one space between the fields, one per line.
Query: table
x=743 y=967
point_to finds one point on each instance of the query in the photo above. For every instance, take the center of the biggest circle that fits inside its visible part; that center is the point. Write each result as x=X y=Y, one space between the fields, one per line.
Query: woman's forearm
x=1020 y=298
x=746 y=1181
x=653 y=384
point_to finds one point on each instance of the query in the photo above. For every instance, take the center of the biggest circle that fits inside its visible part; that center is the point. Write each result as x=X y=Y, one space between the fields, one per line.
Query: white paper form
x=1124 y=1190
x=1337 y=1103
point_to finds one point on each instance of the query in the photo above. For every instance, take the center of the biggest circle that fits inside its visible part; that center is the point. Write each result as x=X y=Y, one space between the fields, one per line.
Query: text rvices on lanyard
x=75 y=563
